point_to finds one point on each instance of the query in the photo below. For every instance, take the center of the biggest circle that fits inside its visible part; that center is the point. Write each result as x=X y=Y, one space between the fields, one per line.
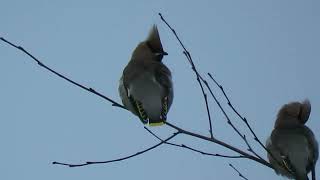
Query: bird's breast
x=149 y=92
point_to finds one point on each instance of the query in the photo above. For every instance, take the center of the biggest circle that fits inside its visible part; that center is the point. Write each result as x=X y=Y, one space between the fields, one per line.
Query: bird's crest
x=154 y=39
x=293 y=114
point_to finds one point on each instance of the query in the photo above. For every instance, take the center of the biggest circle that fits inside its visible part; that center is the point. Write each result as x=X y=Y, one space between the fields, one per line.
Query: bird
x=146 y=87
x=293 y=148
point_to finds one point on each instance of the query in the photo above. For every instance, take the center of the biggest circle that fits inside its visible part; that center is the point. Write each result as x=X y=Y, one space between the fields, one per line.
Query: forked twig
x=239 y=173
x=199 y=77
x=119 y=159
x=247 y=124
x=221 y=143
x=89 y=89
x=238 y=114
x=193 y=67
x=193 y=149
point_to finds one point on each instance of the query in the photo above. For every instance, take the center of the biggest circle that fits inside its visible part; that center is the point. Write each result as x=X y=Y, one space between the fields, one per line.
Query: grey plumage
x=292 y=143
x=147 y=81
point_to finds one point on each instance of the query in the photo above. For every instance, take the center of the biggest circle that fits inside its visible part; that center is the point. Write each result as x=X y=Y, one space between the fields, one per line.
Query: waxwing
x=292 y=144
x=145 y=85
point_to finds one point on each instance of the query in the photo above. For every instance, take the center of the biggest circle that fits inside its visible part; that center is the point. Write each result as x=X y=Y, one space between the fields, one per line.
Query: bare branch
x=199 y=77
x=246 y=122
x=238 y=114
x=193 y=67
x=243 y=177
x=221 y=143
x=193 y=149
x=89 y=89
x=211 y=154
x=119 y=159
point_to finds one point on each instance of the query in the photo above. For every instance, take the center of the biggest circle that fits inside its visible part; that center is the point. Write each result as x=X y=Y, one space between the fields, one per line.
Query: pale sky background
x=265 y=53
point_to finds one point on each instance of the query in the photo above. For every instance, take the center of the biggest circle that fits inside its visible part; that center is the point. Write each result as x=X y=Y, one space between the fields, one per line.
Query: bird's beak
x=164 y=53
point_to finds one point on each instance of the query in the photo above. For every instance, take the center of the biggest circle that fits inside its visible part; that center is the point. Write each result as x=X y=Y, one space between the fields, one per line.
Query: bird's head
x=151 y=48
x=293 y=114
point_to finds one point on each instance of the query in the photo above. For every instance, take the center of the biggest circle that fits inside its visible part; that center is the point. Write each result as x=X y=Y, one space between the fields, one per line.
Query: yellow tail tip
x=157 y=124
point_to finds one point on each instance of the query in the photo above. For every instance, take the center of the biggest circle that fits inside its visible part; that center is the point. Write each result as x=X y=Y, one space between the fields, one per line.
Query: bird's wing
x=276 y=139
x=163 y=76
x=131 y=72
x=313 y=146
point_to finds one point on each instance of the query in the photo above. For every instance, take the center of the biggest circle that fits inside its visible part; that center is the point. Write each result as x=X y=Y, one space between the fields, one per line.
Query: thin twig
x=199 y=77
x=119 y=159
x=246 y=122
x=239 y=173
x=238 y=114
x=221 y=143
x=193 y=67
x=165 y=142
x=193 y=149
x=91 y=90
x=243 y=137
x=211 y=154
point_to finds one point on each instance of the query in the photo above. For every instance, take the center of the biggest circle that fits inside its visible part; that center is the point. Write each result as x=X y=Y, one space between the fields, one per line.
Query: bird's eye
x=159 y=56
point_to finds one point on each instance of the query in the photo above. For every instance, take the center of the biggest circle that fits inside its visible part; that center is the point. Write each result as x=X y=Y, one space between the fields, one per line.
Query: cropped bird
x=292 y=144
x=146 y=86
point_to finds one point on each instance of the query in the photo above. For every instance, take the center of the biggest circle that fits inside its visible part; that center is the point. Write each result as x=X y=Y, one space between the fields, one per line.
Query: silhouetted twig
x=91 y=90
x=199 y=77
x=193 y=149
x=247 y=124
x=193 y=67
x=243 y=177
x=238 y=114
x=216 y=141
x=119 y=159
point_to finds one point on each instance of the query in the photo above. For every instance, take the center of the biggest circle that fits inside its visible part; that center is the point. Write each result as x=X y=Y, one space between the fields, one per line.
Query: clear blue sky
x=265 y=53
